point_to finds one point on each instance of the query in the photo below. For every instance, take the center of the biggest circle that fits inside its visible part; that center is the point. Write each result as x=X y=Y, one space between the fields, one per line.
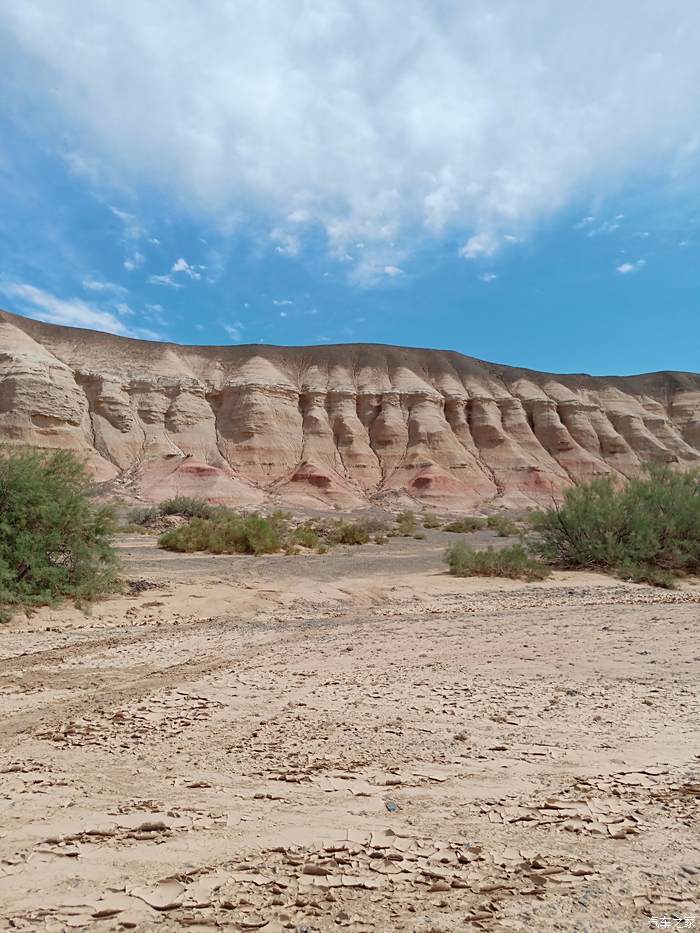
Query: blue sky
x=519 y=184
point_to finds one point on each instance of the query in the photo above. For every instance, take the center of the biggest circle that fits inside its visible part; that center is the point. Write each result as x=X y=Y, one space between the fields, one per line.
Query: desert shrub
x=225 y=534
x=431 y=521
x=305 y=536
x=419 y=536
x=375 y=525
x=380 y=538
x=349 y=533
x=649 y=530
x=322 y=549
x=466 y=525
x=514 y=562
x=184 y=505
x=140 y=515
x=504 y=527
x=134 y=528
x=529 y=517
x=54 y=541
x=406 y=523
x=280 y=518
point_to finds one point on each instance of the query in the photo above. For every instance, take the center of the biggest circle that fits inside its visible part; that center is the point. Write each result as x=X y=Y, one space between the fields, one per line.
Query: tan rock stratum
x=345 y=425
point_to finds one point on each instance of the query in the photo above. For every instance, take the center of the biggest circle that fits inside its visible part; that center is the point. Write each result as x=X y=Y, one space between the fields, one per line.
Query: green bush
x=349 y=533
x=514 y=562
x=54 y=541
x=225 y=534
x=141 y=515
x=305 y=536
x=431 y=521
x=504 y=527
x=406 y=523
x=648 y=530
x=186 y=506
x=465 y=526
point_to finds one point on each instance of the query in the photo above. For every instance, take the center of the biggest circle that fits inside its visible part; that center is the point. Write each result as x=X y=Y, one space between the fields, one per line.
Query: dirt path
x=245 y=749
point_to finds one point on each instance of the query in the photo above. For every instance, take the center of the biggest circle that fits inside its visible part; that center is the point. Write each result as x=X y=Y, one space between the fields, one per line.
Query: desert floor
x=355 y=742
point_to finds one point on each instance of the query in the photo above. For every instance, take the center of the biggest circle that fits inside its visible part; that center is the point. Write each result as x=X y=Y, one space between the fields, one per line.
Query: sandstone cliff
x=335 y=425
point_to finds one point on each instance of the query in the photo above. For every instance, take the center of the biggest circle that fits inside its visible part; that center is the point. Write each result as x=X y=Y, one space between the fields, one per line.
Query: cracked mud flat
x=352 y=742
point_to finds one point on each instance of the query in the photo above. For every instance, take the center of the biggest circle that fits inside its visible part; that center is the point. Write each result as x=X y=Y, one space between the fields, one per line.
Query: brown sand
x=353 y=741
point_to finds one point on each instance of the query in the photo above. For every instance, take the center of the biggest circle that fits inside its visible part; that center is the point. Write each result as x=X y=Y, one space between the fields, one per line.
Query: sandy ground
x=354 y=742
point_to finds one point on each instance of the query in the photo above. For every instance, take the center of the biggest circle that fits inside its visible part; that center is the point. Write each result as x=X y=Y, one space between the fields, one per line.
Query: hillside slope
x=341 y=425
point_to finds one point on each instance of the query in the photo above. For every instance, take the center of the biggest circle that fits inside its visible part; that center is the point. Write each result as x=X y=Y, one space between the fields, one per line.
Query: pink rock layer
x=344 y=426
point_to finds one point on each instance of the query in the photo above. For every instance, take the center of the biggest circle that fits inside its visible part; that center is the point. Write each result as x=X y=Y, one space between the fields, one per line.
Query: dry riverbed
x=352 y=741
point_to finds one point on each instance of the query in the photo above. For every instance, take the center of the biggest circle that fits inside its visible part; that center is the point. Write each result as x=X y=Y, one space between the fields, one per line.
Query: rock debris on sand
x=429 y=754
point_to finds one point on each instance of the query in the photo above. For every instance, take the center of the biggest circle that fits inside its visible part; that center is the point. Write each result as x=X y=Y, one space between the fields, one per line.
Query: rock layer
x=328 y=426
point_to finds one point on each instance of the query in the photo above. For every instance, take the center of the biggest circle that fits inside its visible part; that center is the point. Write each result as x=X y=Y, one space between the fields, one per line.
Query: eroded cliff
x=335 y=425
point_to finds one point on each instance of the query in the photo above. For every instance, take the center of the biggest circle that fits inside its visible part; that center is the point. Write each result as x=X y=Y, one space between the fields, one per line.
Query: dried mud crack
x=444 y=756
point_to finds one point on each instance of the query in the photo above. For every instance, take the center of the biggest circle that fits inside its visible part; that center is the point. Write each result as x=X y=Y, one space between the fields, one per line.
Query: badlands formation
x=341 y=426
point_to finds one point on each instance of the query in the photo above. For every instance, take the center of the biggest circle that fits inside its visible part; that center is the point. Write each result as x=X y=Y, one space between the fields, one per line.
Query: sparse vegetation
x=54 y=540
x=406 y=523
x=349 y=533
x=186 y=506
x=503 y=526
x=305 y=537
x=431 y=521
x=514 y=562
x=465 y=526
x=140 y=516
x=226 y=534
x=132 y=528
x=647 y=531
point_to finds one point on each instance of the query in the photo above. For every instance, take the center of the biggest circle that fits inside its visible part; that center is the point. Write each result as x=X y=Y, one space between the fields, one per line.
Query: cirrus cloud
x=72 y=312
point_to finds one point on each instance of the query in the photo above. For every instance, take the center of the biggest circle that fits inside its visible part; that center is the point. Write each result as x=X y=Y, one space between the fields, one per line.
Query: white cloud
x=132 y=226
x=71 y=312
x=283 y=314
x=181 y=265
x=282 y=301
x=393 y=271
x=288 y=244
x=134 y=261
x=235 y=331
x=157 y=313
x=94 y=285
x=378 y=126
x=608 y=226
x=626 y=268
x=481 y=244
x=299 y=217
x=164 y=280
x=488 y=277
